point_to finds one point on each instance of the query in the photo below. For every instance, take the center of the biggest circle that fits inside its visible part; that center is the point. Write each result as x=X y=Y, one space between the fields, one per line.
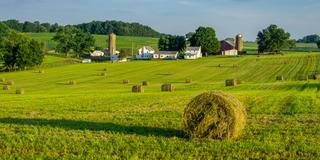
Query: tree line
x=271 y=40
x=18 y=51
x=95 y=27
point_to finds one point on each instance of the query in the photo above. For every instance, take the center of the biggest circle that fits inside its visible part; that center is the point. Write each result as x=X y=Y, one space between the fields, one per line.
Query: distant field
x=138 y=42
x=101 y=41
x=99 y=118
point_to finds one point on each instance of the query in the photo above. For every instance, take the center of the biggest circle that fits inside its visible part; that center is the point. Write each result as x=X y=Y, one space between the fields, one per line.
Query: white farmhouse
x=166 y=55
x=193 y=53
x=97 y=53
x=145 y=53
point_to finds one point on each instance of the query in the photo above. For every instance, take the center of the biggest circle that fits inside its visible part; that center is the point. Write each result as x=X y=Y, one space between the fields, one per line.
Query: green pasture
x=99 y=118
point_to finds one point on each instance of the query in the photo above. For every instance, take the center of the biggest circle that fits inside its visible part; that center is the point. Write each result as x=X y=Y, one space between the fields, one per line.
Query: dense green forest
x=94 y=27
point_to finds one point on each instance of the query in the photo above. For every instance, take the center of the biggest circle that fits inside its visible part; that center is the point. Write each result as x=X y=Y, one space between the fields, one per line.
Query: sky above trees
x=228 y=17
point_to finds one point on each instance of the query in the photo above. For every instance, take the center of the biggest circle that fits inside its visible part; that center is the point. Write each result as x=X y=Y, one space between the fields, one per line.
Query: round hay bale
x=125 y=81
x=145 y=83
x=20 y=91
x=188 y=81
x=280 y=78
x=104 y=74
x=137 y=89
x=231 y=82
x=6 y=87
x=72 y=82
x=215 y=115
x=167 y=87
x=239 y=81
x=2 y=79
x=11 y=83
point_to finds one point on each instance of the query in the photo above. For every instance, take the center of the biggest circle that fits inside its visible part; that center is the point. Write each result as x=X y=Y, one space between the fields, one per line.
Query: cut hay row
x=214 y=115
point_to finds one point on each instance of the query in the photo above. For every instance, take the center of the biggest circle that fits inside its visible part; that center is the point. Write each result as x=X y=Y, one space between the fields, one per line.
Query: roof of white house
x=193 y=48
x=149 y=48
x=167 y=52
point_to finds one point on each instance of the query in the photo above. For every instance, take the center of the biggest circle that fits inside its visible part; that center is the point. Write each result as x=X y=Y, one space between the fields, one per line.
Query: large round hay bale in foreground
x=10 y=83
x=231 y=82
x=6 y=87
x=137 y=89
x=145 y=83
x=215 y=115
x=167 y=87
x=20 y=91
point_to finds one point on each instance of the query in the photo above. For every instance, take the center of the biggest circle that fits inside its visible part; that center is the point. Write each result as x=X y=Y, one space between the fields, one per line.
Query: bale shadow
x=96 y=126
x=164 y=74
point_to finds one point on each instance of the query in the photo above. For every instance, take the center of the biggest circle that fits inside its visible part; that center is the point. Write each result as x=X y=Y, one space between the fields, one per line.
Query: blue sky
x=228 y=17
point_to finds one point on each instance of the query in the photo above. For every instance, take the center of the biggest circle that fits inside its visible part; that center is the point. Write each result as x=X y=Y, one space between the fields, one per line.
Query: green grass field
x=101 y=41
x=99 y=118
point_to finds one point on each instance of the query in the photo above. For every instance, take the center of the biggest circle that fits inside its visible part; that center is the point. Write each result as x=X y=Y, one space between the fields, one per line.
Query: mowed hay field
x=100 y=117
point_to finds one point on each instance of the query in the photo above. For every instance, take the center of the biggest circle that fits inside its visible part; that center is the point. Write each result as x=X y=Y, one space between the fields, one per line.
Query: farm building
x=227 y=48
x=116 y=58
x=97 y=54
x=193 y=53
x=166 y=55
x=145 y=53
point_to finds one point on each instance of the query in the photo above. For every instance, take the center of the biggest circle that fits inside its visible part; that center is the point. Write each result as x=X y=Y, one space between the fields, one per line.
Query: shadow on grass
x=95 y=126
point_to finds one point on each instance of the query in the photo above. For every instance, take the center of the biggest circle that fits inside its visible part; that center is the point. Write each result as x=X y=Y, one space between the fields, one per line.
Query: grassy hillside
x=100 y=117
x=101 y=41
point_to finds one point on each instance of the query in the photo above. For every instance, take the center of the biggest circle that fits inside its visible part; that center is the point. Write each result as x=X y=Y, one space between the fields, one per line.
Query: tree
x=64 y=37
x=314 y=38
x=272 y=39
x=189 y=35
x=71 y=39
x=83 y=42
x=172 y=43
x=292 y=43
x=20 y=51
x=206 y=38
x=318 y=44
x=124 y=53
